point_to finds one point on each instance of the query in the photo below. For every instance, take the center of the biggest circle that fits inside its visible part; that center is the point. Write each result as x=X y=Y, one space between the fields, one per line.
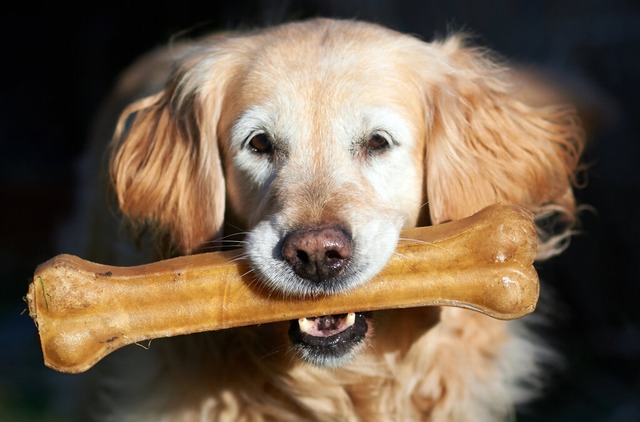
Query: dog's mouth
x=329 y=340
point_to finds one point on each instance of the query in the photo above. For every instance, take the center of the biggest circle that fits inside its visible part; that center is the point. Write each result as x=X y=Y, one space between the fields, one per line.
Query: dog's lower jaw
x=335 y=349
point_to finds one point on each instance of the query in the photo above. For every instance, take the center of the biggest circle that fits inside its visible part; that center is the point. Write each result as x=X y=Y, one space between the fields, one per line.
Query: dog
x=313 y=144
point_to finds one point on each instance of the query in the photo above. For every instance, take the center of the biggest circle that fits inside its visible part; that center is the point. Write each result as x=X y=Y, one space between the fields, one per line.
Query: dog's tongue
x=327 y=325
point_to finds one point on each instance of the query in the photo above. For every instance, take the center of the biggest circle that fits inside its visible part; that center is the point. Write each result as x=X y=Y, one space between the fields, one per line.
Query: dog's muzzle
x=319 y=254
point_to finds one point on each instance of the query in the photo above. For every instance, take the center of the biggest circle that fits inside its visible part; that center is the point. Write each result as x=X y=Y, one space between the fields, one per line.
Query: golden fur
x=177 y=168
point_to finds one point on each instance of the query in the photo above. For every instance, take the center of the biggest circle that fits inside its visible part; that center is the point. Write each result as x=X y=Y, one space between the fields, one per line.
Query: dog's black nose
x=318 y=253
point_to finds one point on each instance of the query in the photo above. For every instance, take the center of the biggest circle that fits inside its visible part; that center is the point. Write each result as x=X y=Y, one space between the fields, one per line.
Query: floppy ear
x=165 y=165
x=486 y=146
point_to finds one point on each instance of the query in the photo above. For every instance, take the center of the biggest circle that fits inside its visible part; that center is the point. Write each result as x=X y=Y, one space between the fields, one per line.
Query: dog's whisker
x=246 y=273
x=228 y=236
x=223 y=239
x=238 y=229
x=233 y=239
x=425 y=242
x=219 y=248
x=282 y=348
x=241 y=257
x=257 y=284
x=225 y=242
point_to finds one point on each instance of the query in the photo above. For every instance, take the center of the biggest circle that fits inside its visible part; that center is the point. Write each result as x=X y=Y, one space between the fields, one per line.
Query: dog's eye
x=261 y=144
x=377 y=143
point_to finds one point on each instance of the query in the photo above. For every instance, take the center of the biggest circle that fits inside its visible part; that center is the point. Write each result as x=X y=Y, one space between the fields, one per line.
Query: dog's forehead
x=307 y=68
x=303 y=88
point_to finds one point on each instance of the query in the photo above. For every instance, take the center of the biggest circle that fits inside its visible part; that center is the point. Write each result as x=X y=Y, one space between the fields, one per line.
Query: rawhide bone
x=84 y=310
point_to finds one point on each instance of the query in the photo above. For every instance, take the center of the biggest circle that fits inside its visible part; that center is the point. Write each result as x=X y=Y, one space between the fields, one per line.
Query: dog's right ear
x=165 y=164
x=487 y=145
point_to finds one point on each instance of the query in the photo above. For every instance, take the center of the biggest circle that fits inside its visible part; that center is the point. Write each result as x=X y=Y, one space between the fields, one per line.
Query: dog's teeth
x=350 y=319
x=305 y=325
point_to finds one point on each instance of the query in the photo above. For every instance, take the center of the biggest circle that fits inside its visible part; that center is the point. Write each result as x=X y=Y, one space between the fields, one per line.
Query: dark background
x=57 y=67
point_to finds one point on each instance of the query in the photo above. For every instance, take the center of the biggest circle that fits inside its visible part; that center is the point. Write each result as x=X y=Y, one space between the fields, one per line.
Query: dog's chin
x=329 y=340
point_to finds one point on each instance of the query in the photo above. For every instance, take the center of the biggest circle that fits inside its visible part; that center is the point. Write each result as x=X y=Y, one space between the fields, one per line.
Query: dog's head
x=322 y=140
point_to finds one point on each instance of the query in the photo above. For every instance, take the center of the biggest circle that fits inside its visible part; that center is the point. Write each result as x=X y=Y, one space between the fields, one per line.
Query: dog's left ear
x=486 y=146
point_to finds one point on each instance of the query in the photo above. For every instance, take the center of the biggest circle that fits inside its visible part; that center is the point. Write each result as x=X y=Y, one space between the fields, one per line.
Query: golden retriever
x=317 y=142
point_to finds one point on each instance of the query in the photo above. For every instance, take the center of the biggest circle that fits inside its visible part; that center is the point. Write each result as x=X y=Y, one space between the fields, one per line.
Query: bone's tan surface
x=85 y=310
